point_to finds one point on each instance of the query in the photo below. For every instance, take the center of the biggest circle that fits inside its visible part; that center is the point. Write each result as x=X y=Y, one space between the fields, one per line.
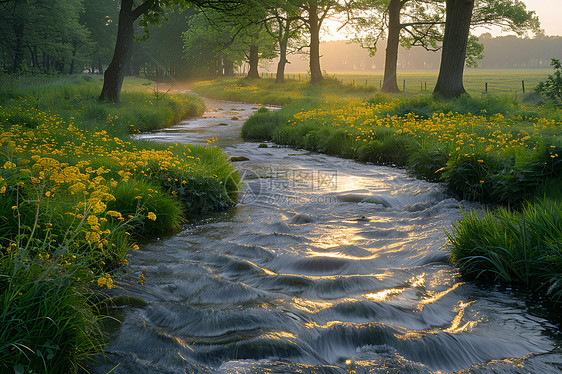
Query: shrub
x=551 y=89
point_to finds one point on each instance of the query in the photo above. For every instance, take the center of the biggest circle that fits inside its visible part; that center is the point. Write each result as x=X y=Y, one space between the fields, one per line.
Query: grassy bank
x=486 y=148
x=499 y=81
x=266 y=91
x=523 y=247
x=75 y=192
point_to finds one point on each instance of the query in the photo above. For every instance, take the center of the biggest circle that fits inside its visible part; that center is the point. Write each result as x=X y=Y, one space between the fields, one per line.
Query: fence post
x=486 y=87
x=425 y=86
x=380 y=85
x=365 y=83
x=404 y=90
x=523 y=85
x=353 y=83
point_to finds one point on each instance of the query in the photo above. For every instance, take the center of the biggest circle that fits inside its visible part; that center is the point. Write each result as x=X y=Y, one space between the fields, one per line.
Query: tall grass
x=520 y=247
x=75 y=193
x=75 y=98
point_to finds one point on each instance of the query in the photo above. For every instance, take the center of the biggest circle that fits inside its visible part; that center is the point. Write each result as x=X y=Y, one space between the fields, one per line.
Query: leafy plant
x=551 y=89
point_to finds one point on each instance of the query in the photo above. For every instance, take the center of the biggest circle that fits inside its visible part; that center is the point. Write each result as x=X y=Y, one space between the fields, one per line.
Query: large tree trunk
x=120 y=63
x=314 y=28
x=253 y=61
x=457 y=28
x=280 y=76
x=390 y=84
x=115 y=73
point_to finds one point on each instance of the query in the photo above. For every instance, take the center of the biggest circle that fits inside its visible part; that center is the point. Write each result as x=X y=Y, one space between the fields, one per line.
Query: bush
x=551 y=89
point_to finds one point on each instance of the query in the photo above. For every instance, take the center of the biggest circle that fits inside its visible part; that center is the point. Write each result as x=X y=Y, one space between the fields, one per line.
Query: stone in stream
x=263 y=145
x=238 y=158
x=234 y=118
x=222 y=124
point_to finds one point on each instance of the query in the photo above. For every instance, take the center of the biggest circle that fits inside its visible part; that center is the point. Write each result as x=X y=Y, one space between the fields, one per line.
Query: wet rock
x=238 y=158
x=234 y=118
x=222 y=124
x=263 y=145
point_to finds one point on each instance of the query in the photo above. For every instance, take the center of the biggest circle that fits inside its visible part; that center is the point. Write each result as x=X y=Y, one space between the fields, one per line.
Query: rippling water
x=326 y=266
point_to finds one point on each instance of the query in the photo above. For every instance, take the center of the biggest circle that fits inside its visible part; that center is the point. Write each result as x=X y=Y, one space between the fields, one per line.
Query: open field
x=500 y=82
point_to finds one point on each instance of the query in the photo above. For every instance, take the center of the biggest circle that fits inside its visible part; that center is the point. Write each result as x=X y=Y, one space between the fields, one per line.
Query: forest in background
x=505 y=52
x=84 y=39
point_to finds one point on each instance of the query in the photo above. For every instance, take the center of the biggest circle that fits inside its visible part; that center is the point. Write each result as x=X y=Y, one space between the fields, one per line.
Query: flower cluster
x=453 y=133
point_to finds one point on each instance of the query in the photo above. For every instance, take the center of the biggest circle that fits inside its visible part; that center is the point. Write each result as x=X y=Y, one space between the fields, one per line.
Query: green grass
x=518 y=247
x=500 y=81
x=75 y=194
x=139 y=109
x=266 y=91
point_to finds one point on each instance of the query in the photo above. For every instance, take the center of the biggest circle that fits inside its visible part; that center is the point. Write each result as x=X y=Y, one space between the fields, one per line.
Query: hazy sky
x=550 y=14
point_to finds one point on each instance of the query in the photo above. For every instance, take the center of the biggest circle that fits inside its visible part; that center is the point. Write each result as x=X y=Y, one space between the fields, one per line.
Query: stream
x=326 y=265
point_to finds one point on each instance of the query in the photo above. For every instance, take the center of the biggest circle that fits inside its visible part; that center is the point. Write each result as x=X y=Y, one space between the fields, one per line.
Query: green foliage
x=551 y=89
x=73 y=189
x=44 y=36
x=47 y=324
x=140 y=109
x=135 y=198
x=513 y=247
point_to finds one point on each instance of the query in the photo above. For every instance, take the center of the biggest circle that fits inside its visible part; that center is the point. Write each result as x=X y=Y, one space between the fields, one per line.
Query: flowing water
x=325 y=266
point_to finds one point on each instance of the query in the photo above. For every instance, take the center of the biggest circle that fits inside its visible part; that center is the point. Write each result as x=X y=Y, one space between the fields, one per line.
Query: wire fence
x=487 y=81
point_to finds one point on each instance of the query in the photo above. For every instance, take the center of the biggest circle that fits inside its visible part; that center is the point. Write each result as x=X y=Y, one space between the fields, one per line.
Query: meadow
x=489 y=148
x=499 y=81
x=76 y=193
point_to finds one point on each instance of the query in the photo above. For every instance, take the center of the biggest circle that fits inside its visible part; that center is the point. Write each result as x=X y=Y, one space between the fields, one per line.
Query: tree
x=510 y=14
x=162 y=54
x=403 y=22
x=113 y=77
x=100 y=18
x=420 y=23
x=317 y=11
x=152 y=12
x=551 y=89
x=42 y=35
x=455 y=41
x=285 y=26
x=220 y=40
